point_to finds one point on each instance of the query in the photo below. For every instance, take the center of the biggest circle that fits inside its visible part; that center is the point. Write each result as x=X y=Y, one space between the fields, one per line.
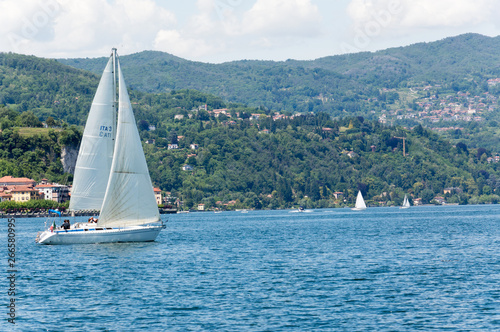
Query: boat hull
x=358 y=209
x=100 y=235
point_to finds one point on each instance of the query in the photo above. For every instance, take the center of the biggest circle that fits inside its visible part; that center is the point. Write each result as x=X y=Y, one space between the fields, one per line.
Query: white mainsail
x=96 y=149
x=360 y=202
x=129 y=199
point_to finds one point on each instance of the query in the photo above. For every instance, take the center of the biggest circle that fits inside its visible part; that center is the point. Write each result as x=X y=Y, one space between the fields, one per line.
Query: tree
x=143 y=125
x=50 y=122
x=427 y=196
x=173 y=137
x=28 y=119
x=480 y=152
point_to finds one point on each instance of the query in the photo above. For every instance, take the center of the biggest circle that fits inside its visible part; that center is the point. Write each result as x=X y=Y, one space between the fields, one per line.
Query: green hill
x=45 y=87
x=332 y=84
x=262 y=163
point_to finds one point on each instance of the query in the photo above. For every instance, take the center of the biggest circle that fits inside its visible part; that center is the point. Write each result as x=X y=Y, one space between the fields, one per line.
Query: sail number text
x=105 y=131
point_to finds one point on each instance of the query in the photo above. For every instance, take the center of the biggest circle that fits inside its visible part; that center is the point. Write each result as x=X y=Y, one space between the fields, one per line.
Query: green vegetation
x=31 y=151
x=303 y=160
x=45 y=88
x=340 y=85
x=339 y=143
x=405 y=86
x=31 y=206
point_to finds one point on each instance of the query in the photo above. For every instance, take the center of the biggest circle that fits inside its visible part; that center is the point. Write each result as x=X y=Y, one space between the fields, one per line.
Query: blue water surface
x=382 y=269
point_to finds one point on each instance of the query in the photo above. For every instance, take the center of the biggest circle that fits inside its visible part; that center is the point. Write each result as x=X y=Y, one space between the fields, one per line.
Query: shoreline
x=4 y=215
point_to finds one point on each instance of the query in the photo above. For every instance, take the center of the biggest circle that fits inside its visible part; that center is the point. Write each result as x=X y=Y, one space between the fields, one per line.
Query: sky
x=218 y=31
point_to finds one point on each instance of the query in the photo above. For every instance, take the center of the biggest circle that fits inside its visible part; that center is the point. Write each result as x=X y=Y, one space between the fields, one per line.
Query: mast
x=115 y=102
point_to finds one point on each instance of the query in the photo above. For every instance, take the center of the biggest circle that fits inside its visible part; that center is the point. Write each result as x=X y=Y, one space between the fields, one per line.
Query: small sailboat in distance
x=406 y=203
x=360 y=203
x=128 y=209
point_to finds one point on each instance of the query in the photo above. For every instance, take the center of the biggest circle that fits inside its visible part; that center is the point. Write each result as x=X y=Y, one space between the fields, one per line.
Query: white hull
x=100 y=235
x=358 y=209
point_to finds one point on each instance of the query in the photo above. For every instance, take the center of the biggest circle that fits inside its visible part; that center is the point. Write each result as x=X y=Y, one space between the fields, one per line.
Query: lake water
x=383 y=269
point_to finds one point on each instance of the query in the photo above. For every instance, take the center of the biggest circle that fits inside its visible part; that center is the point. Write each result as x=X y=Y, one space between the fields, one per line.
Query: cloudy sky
x=224 y=30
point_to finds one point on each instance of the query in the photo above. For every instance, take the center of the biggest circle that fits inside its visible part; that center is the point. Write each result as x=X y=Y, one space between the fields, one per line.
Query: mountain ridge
x=297 y=85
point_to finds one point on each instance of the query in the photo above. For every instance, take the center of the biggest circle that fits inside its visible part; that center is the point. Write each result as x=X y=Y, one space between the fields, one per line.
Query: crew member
x=66 y=225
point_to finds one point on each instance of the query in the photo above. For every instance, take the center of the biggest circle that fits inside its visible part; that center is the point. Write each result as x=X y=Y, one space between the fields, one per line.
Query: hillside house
x=440 y=200
x=158 y=196
x=24 y=193
x=5 y=196
x=53 y=192
x=220 y=111
x=12 y=181
x=452 y=190
x=352 y=154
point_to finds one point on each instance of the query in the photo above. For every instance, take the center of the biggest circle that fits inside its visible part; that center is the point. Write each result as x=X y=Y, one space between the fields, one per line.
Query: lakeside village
x=433 y=109
x=22 y=190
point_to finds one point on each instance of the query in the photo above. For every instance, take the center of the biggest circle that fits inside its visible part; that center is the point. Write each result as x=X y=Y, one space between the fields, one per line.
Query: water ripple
x=428 y=268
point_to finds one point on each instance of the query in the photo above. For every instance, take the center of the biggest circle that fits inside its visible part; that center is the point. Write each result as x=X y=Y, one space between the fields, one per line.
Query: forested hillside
x=29 y=150
x=45 y=87
x=263 y=163
x=306 y=159
x=339 y=85
x=267 y=155
x=451 y=85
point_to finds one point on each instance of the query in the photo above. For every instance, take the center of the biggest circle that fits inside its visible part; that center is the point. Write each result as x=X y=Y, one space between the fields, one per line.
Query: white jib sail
x=96 y=148
x=129 y=199
x=360 y=202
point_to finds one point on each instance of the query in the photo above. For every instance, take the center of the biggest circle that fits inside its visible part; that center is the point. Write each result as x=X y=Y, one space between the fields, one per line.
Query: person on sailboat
x=66 y=225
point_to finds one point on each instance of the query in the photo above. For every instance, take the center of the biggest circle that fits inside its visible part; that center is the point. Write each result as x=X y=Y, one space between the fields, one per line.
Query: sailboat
x=111 y=173
x=406 y=203
x=360 y=203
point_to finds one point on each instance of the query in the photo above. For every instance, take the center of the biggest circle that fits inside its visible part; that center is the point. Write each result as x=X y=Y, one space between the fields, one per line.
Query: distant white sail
x=406 y=203
x=96 y=148
x=360 y=202
x=129 y=199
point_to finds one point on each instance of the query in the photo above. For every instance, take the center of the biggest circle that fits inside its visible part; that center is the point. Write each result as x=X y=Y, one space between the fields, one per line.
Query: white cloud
x=224 y=26
x=172 y=41
x=65 y=27
x=298 y=18
x=405 y=15
x=378 y=24
x=222 y=30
